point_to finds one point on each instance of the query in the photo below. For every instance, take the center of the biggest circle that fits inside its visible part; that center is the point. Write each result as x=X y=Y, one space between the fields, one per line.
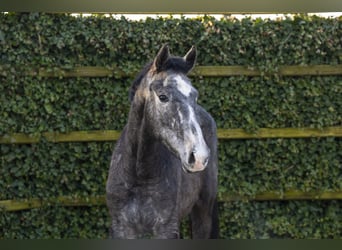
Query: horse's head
x=170 y=107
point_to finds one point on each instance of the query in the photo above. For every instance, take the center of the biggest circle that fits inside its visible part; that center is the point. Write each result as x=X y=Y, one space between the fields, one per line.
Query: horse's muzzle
x=197 y=162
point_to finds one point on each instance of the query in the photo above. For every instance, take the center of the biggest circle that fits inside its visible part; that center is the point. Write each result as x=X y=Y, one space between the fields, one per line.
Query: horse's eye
x=163 y=98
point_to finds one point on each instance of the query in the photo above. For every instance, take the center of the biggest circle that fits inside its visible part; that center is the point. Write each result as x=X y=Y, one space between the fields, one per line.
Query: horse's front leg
x=204 y=221
x=119 y=230
x=166 y=231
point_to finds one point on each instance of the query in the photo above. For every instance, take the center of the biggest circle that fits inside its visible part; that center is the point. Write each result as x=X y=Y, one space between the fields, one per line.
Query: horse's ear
x=190 y=57
x=161 y=57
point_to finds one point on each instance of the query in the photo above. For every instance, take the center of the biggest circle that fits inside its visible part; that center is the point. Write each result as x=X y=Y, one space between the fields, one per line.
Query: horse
x=164 y=165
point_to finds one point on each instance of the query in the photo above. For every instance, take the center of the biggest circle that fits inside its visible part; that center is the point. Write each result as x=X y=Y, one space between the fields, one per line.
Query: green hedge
x=33 y=105
x=239 y=220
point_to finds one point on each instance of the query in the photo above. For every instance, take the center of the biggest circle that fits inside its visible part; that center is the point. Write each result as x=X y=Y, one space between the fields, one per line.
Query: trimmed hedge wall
x=33 y=105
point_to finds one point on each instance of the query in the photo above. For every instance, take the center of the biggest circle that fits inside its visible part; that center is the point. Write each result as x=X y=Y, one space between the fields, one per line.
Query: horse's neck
x=141 y=149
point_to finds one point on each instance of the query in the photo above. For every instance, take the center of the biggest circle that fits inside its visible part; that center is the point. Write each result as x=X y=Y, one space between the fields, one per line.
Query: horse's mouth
x=189 y=169
x=186 y=169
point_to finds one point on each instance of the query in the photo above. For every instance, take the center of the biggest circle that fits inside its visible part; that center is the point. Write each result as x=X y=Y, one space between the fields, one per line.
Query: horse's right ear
x=161 y=58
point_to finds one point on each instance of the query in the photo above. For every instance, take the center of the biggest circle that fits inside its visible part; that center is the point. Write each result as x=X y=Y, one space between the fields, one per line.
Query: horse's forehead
x=180 y=82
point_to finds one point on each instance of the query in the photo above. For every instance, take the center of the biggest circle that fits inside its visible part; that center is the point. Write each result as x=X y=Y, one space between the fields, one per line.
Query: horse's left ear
x=190 y=58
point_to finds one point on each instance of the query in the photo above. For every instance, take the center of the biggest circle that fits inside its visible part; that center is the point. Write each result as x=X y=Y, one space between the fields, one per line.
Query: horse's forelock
x=177 y=64
x=174 y=64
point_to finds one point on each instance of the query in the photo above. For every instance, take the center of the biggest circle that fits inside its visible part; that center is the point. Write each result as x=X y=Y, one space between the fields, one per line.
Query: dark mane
x=174 y=63
x=138 y=80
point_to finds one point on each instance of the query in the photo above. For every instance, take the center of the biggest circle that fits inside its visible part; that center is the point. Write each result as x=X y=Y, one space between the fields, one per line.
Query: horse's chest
x=146 y=210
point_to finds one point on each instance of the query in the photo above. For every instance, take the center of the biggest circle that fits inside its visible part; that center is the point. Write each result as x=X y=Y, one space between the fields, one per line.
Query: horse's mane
x=173 y=63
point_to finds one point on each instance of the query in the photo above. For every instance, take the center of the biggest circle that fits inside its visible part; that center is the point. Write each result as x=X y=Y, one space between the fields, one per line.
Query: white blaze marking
x=201 y=147
x=180 y=116
x=184 y=87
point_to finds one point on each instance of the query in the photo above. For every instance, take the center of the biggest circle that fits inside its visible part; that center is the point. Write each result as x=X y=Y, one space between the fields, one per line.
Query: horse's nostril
x=191 y=159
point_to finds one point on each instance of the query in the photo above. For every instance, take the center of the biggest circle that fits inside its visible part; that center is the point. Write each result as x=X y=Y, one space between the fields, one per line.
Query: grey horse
x=164 y=165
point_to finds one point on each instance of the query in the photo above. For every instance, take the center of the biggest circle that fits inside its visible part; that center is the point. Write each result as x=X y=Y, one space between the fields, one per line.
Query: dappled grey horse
x=164 y=166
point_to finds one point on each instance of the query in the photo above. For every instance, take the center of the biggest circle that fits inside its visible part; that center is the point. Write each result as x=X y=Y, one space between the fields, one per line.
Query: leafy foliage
x=34 y=105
